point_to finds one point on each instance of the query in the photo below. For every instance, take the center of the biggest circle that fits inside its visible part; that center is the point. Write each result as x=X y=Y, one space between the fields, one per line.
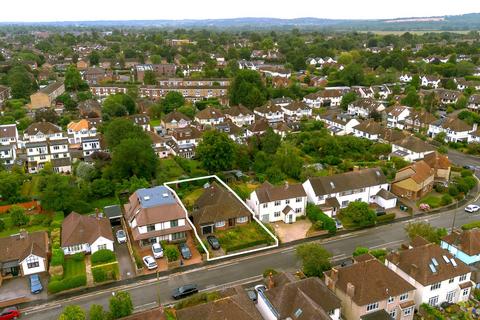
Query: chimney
x=286 y=184
x=350 y=290
x=413 y=270
x=270 y=283
x=334 y=276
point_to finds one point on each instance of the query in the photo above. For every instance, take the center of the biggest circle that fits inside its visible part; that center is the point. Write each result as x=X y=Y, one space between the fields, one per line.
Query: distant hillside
x=469 y=21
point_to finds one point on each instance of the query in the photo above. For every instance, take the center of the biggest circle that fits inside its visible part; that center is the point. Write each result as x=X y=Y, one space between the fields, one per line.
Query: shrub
x=359 y=251
x=269 y=271
x=55 y=286
x=197 y=299
x=105 y=272
x=37 y=219
x=453 y=191
x=171 y=252
x=466 y=173
x=380 y=254
x=99 y=274
x=18 y=216
x=386 y=217
x=320 y=220
x=58 y=257
x=80 y=256
x=446 y=200
x=471 y=225
x=2 y=225
x=103 y=256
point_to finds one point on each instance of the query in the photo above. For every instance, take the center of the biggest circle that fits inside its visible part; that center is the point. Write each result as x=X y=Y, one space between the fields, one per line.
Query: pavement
x=147 y=294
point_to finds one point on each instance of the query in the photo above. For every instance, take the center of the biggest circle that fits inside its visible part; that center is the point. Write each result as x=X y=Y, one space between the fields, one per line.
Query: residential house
x=271 y=112
x=391 y=135
x=364 y=107
x=23 y=254
x=218 y=209
x=97 y=75
x=44 y=98
x=382 y=91
x=159 y=145
x=240 y=115
x=84 y=233
x=367 y=286
x=160 y=70
x=396 y=116
x=4 y=95
x=456 y=130
x=103 y=91
x=184 y=141
x=282 y=102
x=446 y=97
x=174 y=120
x=141 y=120
x=430 y=81
x=55 y=151
x=278 y=203
x=419 y=120
x=155 y=215
x=258 y=128
x=405 y=78
x=326 y=98
x=82 y=65
x=90 y=109
x=332 y=193
x=9 y=143
x=364 y=92
x=368 y=129
x=339 y=124
x=90 y=145
x=440 y=164
x=209 y=116
x=411 y=148
x=414 y=181
x=192 y=93
x=297 y=110
x=435 y=273
x=83 y=128
x=42 y=131
x=474 y=102
x=463 y=245
x=285 y=297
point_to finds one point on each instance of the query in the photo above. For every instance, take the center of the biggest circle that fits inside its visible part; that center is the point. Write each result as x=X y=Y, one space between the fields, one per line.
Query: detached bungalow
x=88 y=234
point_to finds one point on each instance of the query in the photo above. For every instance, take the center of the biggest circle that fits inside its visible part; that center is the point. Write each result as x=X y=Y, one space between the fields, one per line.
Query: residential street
x=146 y=294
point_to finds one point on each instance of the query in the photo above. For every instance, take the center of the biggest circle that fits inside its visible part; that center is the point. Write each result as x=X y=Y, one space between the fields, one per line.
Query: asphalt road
x=149 y=293
x=463 y=159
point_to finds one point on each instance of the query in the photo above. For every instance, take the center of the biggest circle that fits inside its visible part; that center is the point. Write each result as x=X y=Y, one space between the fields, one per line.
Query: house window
x=465 y=292
x=404 y=297
x=345 y=203
x=265 y=205
x=178 y=235
x=393 y=314
x=277 y=203
x=173 y=223
x=150 y=227
x=390 y=299
x=372 y=306
x=462 y=278
x=435 y=286
x=276 y=214
x=451 y=280
x=298 y=210
x=450 y=296
x=242 y=219
x=102 y=246
x=220 y=224
x=287 y=201
x=298 y=200
x=433 y=301
x=32 y=262
x=407 y=311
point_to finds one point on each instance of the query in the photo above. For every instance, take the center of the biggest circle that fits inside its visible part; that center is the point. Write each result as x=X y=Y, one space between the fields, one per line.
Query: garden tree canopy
x=120 y=129
x=288 y=160
x=315 y=259
x=68 y=102
x=359 y=214
x=348 y=98
x=412 y=98
x=73 y=79
x=48 y=115
x=134 y=157
x=10 y=186
x=21 y=82
x=94 y=58
x=149 y=78
x=56 y=193
x=72 y=312
x=270 y=141
x=352 y=75
x=96 y=312
x=425 y=230
x=216 y=151
x=118 y=105
x=121 y=305
x=247 y=89
x=172 y=101
x=18 y=216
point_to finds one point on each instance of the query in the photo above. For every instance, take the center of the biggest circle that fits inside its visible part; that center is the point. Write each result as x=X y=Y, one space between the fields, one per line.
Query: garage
x=114 y=214
x=207 y=229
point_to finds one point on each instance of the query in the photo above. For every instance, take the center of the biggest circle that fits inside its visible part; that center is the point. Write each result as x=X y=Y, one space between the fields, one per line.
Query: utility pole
x=454 y=217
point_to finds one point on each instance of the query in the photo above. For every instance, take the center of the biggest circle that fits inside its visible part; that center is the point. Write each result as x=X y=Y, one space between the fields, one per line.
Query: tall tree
x=248 y=89
x=359 y=214
x=315 y=259
x=21 y=82
x=94 y=58
x=120 y=129
x=216 y=151
x=73 y=79
x=72 y=312
x=149 y=78
x=134 y=157
x=121 y=305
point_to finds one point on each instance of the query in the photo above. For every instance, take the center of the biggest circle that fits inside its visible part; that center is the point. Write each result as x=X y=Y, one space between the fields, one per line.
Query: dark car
x=185 y=251
x=35 y=284
x=184 y=291
x=9 y=313
x=214 y=243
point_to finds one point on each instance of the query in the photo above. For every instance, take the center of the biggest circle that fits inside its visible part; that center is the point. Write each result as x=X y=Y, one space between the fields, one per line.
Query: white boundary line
x=166 y=184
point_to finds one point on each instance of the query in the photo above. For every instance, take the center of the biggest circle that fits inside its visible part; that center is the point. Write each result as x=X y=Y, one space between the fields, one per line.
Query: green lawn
x=101 y=203
x=30 y=187
x=243 y=236
x=42 y=222
x=154 y=122
x=169 y=170
x=432 y=201
x=73 y=267
x=191 y=197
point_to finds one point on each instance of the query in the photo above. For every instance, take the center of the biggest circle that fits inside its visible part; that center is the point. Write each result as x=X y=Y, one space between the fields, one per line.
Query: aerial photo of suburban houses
x=277 y=161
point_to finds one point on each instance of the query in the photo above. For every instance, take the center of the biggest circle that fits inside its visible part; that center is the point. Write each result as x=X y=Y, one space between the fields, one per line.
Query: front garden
x=104 y=266
x=68 y=275
x=243 y=237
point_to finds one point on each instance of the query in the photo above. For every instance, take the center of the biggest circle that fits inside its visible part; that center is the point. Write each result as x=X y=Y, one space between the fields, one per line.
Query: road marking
x=146 y=305
x=388 y=244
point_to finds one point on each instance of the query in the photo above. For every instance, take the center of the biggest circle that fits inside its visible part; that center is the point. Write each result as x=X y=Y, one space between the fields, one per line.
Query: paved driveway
x=127 y=269
x=291 y=231
x=18 y=288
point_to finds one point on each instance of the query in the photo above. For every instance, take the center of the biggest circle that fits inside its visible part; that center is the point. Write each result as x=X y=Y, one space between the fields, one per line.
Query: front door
x=290 y=218
x=231 y=222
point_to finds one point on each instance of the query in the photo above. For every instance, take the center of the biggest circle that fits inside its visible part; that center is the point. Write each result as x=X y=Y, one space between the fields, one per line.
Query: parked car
x=472 y=208
x=10 y=313
x=338 y=224
x=185 y=251
x=35 y=284
x=121 y=236
x=157 y=251
x=150 y=262
x=184 y=291
x=214 y=243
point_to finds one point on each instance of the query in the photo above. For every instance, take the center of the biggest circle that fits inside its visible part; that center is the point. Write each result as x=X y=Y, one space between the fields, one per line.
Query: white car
x=157 y=251
x=150 y=262
x=121 y=236
x=472 y=208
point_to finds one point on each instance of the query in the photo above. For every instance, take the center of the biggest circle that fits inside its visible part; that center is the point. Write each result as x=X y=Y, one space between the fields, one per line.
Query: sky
x=68 y=10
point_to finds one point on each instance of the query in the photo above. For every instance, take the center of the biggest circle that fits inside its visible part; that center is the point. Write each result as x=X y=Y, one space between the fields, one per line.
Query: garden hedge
x=103 y=256
x=56 y=286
